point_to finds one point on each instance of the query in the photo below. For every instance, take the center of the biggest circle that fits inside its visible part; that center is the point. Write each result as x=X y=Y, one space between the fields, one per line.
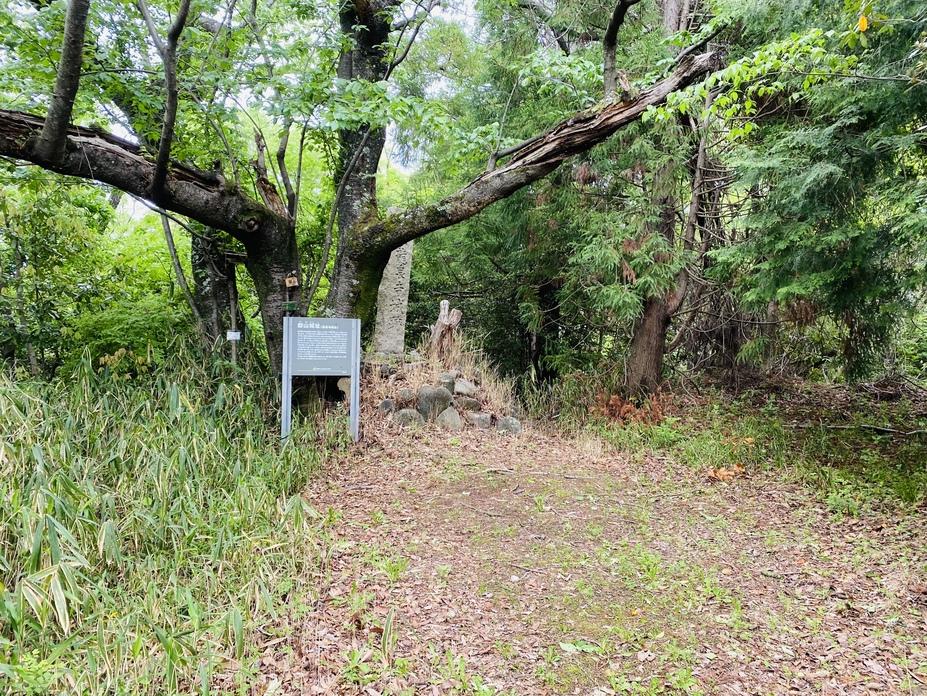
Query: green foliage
x=835 y=187
x=50 y=262
x=149 y=526
x=75 y=275
x=139 y=310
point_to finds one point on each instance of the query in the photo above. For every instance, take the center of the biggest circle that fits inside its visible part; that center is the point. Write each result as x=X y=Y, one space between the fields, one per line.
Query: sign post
x=320 y=348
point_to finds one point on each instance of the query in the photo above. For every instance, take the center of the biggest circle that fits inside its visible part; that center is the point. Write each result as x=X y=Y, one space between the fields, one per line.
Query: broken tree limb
x=443 y=333
x=538 y=158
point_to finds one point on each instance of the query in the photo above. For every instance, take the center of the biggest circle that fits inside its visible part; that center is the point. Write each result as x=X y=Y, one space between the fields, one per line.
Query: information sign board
x=320 y=347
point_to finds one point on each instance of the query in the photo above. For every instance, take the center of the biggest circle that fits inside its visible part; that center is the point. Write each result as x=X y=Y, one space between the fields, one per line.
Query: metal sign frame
x=293 y=366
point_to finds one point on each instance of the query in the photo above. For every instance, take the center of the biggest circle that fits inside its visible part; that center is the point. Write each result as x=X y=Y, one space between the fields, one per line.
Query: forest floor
x=481 y=563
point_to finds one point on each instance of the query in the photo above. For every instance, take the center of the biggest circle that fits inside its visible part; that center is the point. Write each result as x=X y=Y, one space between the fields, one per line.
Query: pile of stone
x=452 y=404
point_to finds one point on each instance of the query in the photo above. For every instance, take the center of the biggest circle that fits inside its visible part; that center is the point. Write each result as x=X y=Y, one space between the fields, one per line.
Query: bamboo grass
x=148 y=526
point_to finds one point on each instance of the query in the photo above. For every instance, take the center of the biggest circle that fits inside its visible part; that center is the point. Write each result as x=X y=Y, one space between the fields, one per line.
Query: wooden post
x=231 y=274
x=233 y=301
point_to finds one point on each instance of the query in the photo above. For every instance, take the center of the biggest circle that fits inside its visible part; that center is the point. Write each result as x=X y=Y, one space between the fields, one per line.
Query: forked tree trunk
x=644 y=370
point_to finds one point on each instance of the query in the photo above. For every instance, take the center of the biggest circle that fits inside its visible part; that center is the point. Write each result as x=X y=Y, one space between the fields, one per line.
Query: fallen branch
x=860 y=426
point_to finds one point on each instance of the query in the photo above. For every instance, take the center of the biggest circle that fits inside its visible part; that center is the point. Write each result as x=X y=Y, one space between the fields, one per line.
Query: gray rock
x=344 y=386
x=405 y=397
x=409 y=416
x=481 y=421
x=467 y=403
x=465 y=387
x=432 y=400
x=509 y=424
x=387 y=406
x=449 y=419
x=446 y=380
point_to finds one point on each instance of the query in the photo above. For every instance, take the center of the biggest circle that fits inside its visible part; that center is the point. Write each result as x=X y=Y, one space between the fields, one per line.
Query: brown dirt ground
x=483 y=563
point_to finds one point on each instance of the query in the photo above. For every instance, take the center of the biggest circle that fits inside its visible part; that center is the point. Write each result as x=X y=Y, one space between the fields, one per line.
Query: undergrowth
x=149 y=525
x=854 y=468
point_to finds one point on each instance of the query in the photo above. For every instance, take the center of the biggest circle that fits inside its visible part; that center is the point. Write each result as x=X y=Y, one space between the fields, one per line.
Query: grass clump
x=146 y=529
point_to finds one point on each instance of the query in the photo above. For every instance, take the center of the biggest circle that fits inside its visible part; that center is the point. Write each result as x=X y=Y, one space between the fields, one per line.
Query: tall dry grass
x=497 y=393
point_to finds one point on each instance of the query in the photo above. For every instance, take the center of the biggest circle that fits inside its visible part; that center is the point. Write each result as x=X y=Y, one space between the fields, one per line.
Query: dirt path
x=539 y=565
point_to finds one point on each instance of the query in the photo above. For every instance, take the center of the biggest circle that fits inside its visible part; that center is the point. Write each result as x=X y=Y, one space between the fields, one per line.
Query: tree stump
x=443 y=333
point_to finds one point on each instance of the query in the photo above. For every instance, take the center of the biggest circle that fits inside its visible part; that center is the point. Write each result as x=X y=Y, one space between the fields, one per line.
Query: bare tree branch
x=423 y=15
x=546 y=18
x=51 y=142
x=416 y=18
x=701 y=43
x=106 y=158
x=610 y=45
x=299 y=168
x=291 y=195
x=181 y=278
x=168 y=51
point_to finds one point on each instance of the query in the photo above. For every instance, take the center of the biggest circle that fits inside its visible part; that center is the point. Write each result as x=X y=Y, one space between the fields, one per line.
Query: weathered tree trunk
x=389 y=337
x=644 y=370
x=273 y=256
x=213 y=275
x=355 y=276
x=674 y=13
x=50 y=144
x=444 y=331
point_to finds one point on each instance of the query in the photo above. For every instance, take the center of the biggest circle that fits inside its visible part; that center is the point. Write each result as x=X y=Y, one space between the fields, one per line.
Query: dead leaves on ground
x=726 y=474
x=615 y=407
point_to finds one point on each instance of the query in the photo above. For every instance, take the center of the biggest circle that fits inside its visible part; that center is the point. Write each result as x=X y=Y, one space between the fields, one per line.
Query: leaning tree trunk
x=644 y=369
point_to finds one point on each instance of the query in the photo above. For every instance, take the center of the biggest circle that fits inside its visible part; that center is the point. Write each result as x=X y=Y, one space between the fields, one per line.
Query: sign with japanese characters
x=320 y=347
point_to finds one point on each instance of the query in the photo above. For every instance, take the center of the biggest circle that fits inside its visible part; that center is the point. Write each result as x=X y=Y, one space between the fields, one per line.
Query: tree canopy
x=761 y=163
